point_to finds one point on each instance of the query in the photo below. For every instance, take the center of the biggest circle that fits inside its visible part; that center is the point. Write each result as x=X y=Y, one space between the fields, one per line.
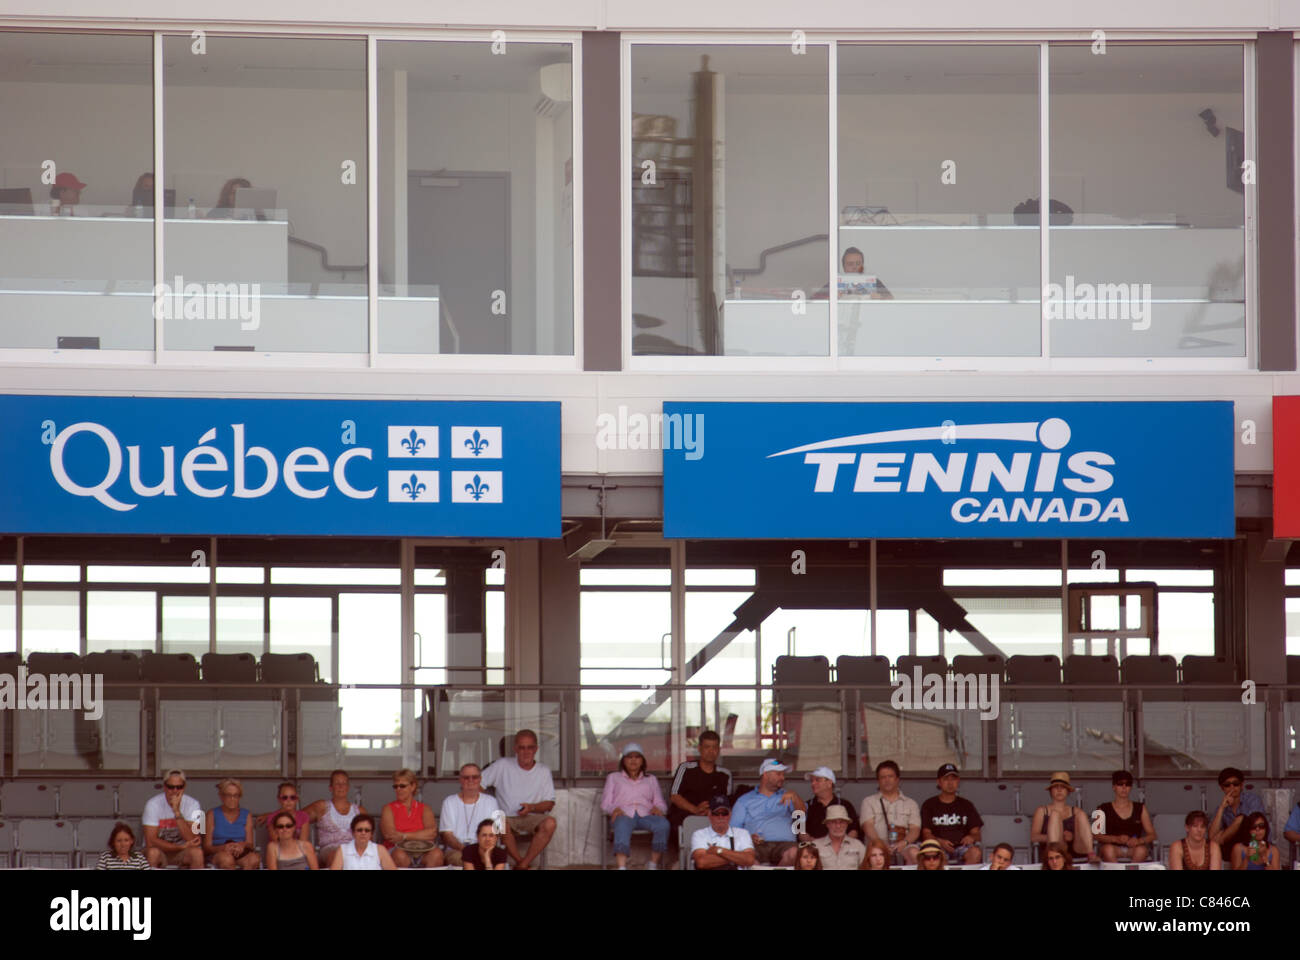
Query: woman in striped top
x=119 y=855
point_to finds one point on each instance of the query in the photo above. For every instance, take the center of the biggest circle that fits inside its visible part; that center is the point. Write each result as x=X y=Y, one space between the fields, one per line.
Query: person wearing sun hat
x=1059 y=821
x=931 y=856
x=837 y=850
x=633 y=800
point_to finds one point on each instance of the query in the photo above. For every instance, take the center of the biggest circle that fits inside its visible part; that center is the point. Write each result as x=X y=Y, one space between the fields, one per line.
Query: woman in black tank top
x=1125 y=827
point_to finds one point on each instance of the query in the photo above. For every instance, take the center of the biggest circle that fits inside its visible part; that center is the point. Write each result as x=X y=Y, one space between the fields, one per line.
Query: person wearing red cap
x=66 y=192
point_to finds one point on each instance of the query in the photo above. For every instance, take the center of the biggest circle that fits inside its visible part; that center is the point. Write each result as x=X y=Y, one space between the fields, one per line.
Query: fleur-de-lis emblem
x=413 y=488
x=478 y=488
x=412 y=442
x=477 y=444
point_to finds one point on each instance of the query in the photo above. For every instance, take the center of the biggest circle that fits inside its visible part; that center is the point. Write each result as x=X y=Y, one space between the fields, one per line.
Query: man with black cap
x=952 y=821
x=720 y=846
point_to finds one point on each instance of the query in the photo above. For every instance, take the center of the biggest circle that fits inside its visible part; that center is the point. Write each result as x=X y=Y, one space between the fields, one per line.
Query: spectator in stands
x=228 y=842
x=951 y=820
x=333 y=817
x=931 y=855
x=1056 y=856
x=1228 y=825
x=766 y=813
x=837 y=849
x=225 y=208
x=285 y=851
x=526 y=792
x=878 y=856
x=633 y=799
x=696 y=782
x=65 y=194
x=120 y=855
x=720 y=845
x=825 y=797
x=1197 y=851
x=463 y=812
x=361 y=853
x=1001 y=857
x=1256 y=853
x=1125 y=826
x=485 y=853
x=1291 y=831
x=408 y=822
x=170 y=825
x=890 y=817
x=1062 y=821
x=288 y=796
x=808 y=858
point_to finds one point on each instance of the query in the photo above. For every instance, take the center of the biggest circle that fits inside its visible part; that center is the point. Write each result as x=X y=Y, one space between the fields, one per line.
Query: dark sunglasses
x=931 y=856
x=169 y=786
x=290 y=796
x=284 y=826
x=363 y=830
x=1233 y=783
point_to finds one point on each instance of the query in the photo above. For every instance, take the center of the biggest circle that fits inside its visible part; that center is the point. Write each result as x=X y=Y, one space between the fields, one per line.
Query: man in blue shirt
x=767 y=813
x=1227 y=824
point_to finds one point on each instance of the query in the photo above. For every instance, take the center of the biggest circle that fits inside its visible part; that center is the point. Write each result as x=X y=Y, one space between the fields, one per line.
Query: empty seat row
x=125 y=667
x=1037 y=669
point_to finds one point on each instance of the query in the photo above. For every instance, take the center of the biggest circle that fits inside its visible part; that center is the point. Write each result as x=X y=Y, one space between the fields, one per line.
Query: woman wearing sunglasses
x=1256 y=853
x=362 y=853
x=285 y=851
x=288 y=796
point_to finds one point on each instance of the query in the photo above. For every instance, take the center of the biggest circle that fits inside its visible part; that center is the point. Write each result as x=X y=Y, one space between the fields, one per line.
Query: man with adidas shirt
x=952 y=820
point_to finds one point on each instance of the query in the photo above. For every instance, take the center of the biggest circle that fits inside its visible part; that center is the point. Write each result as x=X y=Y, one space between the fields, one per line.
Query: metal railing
x=298 y=729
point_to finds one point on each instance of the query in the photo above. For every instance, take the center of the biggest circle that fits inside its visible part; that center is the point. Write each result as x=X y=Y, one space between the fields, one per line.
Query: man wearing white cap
x=766 y=813
x=837 y=849
x=825 y=797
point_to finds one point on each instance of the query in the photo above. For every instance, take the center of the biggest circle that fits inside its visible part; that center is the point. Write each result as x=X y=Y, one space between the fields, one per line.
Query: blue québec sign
x=953 y=470
x=288 y=467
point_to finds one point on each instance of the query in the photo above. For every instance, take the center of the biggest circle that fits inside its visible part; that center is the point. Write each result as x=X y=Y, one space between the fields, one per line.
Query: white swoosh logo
x=972 y=431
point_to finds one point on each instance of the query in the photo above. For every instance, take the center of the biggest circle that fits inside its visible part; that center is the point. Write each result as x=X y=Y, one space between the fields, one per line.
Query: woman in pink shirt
x=634 y=801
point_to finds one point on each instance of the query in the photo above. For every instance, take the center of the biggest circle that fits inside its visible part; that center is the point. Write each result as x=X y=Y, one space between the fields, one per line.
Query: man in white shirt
x=526 y=794
x=720 y=846
x=463 y=812
x=172 y=824
x=1001 y=858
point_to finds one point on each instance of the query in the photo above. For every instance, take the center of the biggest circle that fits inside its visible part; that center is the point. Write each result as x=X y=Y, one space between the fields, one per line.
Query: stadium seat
x=930 y=664
x=119 y=727
x=92 y=839
x=688 y=828
x=46 y=843
x=6 y=844
x=863 y=671
x=55 y=739
x=1152 y=672
x=980 y=663
x=1169 y=827
x=84 y=798
x=989 y=797
x=1007 y=829
x=20 y=798
x=1174 y=796
x=132 y=795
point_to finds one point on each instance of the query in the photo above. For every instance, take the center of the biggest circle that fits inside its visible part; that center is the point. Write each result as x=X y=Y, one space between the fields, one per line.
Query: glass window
x=266 y=157
x=302 y=625
x=122 y=620
x=8 y=622
x=729 y=201
x=185 y=627
x=51 y=573
x=370 y=652
x=476 y=198
x=1292 y=626
x=77 y=271
x=938 y=147
x=132 y=574
x=239 y=626
x=51 y=621
x=1148 y=208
